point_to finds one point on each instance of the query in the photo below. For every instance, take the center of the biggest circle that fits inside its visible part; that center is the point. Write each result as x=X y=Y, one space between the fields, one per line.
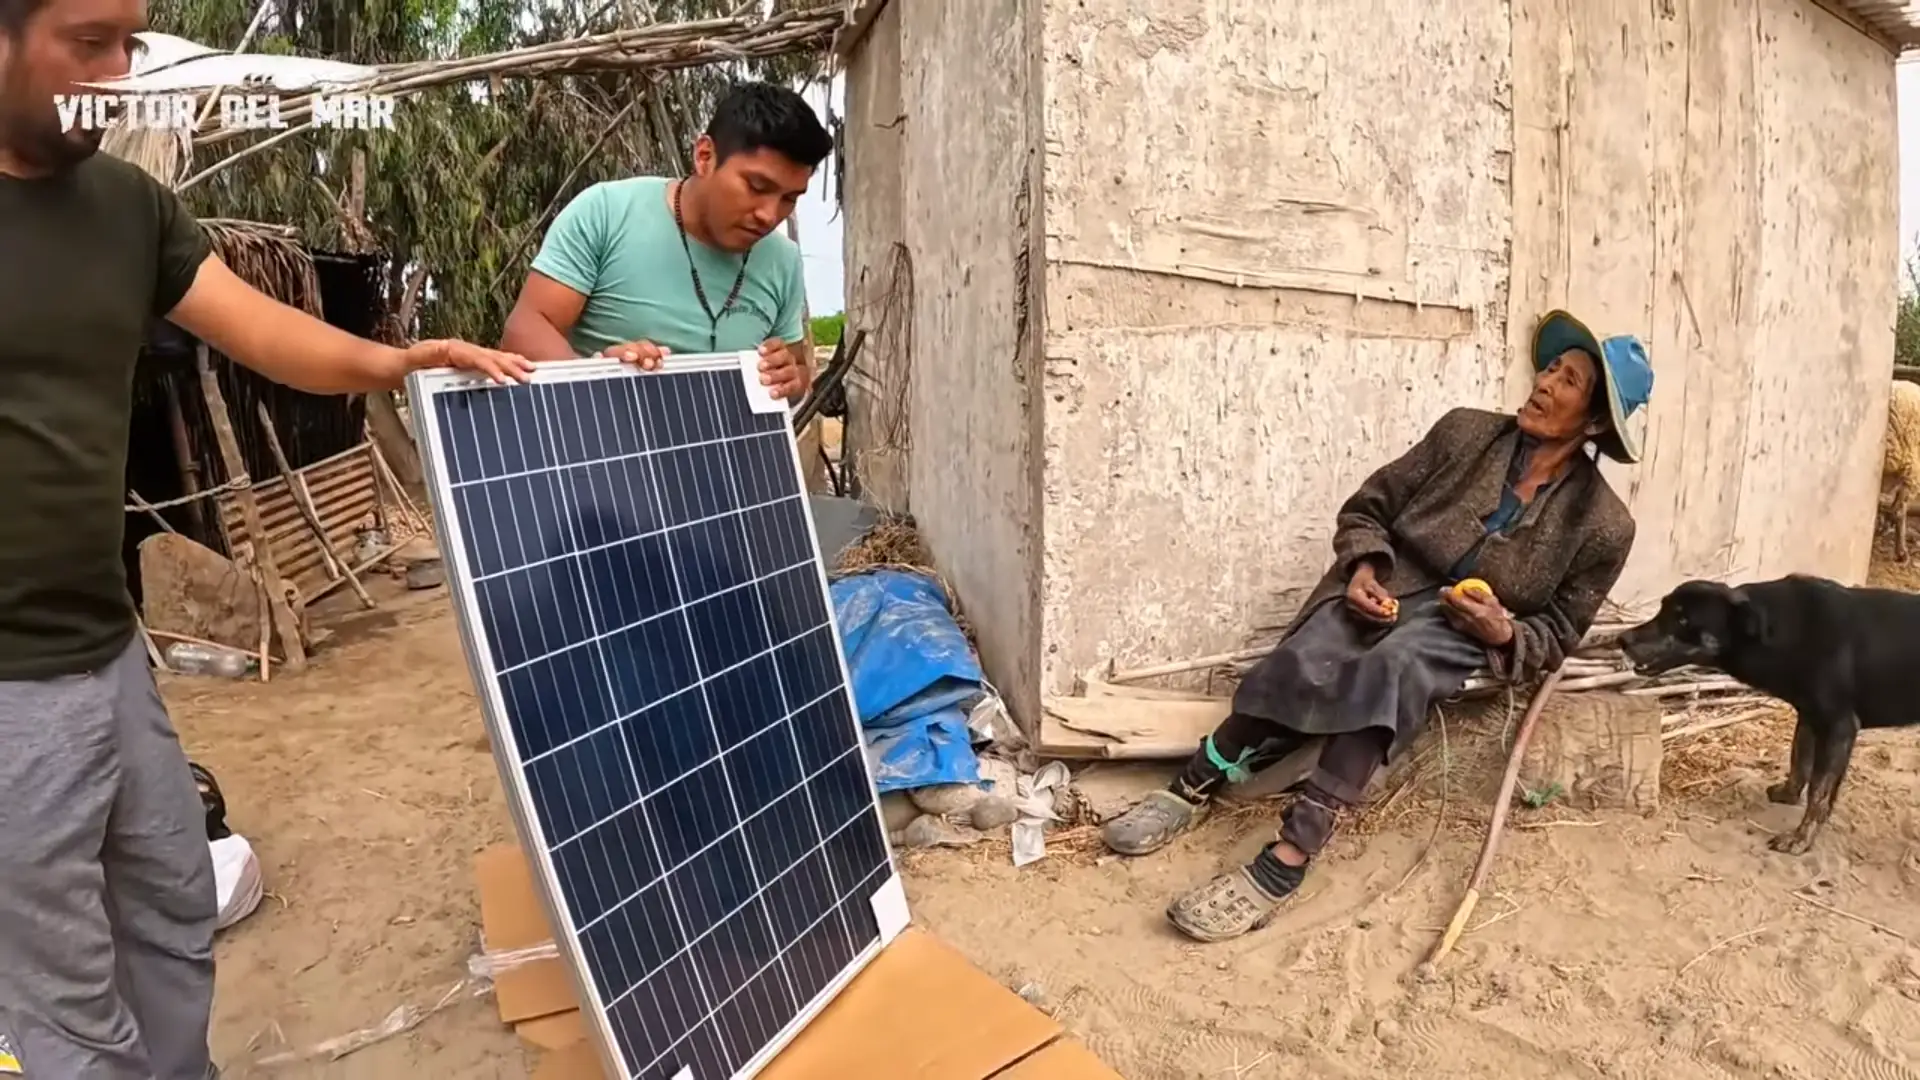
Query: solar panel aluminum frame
x=423 y=387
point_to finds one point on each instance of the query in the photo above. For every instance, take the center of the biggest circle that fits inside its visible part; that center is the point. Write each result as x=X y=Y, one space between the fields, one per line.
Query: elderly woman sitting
x=1514 y=501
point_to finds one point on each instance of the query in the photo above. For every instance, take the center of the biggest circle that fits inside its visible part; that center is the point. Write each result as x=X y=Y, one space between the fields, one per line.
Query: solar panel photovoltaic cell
x=639 y=584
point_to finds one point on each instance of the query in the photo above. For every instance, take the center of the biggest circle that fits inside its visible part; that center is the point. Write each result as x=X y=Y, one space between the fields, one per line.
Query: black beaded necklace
x=699 y=290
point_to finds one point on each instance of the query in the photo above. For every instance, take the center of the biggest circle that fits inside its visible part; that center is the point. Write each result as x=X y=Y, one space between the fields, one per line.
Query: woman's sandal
x=1225 y=908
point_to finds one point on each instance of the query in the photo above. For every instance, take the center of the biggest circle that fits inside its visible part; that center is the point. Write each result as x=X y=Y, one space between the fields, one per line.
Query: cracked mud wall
x=1279 y=241
x=879 y=269
x=1276 y=252
x=1279 y=245
x=943 y=119
x=1720 y=177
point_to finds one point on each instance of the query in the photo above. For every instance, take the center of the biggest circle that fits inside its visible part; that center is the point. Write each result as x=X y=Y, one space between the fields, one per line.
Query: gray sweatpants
x=107 y=899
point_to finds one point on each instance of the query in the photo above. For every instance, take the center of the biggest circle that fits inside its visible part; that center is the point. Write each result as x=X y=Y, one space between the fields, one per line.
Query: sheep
x=1900 y=473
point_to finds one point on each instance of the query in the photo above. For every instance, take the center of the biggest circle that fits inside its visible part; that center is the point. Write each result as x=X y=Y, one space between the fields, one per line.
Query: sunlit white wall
x=1909 y=74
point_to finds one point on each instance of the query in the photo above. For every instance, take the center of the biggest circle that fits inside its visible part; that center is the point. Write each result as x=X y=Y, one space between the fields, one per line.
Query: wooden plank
x=280 y=528
x=1094 y=688
x=345 y=494
x=279 y=525
x=303 y=501
x=1140 y=720
x=860 y=16
x=299 y=556
x=1855 y=20
x=304 y=564
x=1059 y=741
x=267 y=574
x=322 y=478
x=1127 y=728
x=338 y=517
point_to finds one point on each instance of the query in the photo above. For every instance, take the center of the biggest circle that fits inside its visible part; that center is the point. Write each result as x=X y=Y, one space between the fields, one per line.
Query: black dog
x=1845 y=659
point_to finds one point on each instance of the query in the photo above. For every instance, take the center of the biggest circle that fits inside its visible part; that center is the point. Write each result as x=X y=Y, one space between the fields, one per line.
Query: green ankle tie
x=1235 y=770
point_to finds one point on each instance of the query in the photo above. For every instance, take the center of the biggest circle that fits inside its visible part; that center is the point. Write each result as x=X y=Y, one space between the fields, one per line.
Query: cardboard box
x=919 y=1011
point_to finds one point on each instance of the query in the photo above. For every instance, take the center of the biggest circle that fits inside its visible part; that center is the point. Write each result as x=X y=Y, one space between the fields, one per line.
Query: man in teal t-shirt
x=640 y=268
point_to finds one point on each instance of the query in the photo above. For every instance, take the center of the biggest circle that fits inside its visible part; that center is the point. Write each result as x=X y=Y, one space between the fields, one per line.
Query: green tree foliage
x=828 y=329
x=462 y=188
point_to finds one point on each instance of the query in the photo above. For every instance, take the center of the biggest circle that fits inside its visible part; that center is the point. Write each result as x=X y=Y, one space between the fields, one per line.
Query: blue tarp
x=914 y=678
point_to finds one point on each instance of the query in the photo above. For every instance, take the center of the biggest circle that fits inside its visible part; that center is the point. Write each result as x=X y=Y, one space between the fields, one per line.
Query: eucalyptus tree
x=459 y=191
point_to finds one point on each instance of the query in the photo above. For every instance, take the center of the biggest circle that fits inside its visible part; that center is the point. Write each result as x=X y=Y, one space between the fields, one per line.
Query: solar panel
x=638 y=581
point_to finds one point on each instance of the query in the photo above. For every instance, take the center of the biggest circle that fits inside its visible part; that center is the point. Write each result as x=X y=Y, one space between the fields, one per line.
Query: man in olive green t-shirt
x=640 y=268
x=107 y=898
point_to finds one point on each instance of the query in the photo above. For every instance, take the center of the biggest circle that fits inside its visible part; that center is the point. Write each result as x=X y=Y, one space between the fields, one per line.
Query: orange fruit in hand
x=1475 y=586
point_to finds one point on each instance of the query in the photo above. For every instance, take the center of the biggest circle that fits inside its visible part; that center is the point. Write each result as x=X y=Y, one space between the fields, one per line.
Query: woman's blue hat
x=1623 y=365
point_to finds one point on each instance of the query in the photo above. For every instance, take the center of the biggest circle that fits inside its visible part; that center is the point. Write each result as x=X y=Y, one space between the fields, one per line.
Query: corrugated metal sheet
x=1900 y=22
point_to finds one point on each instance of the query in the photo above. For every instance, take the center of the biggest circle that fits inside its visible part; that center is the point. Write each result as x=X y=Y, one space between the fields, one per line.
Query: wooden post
x=265 y=572
x=357 y=199
x=183 y=453
x=390 y=434
x=382 y=515
x=813 y=468
x=266 y=638
x=384 y=425
x=415 y=519
x=303 y=501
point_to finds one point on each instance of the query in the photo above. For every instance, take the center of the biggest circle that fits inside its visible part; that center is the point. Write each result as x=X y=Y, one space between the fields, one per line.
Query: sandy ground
x=1674 y=946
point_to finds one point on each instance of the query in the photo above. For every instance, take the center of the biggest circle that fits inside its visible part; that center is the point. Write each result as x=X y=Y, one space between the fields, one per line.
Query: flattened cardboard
x=919 y=1011
x=556 y=1032
x=511 y=918
x=1063 y=1059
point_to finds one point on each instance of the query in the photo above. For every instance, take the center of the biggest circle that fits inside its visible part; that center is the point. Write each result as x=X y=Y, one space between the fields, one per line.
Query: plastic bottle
x=191 y=658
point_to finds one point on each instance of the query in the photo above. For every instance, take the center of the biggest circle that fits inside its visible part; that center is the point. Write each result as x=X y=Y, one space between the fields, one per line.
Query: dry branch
x=532 y=229
x=274 y=608
x=303 y=501
x=1851 y=917
x=1718 y=722
x=659 y=47
x=1500 y=804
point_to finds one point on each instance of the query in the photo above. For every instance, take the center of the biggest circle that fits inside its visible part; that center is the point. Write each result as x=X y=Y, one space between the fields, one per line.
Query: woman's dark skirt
x=1337 y=674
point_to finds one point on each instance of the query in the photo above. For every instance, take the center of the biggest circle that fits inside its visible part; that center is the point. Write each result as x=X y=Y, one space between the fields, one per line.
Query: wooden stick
x=191 y=640
x=532 y=230
x=266 y=656
x=812 y=472
x=242 y=155
x=1501 y=803
x=1861 y=919
x=246 y=39
x=1719 y=722
x=1717 y=946
x=1602 y=682
x=183 y=455
x=1711 y=685
x=1177 y=667
x=415 y=517
x=1675 y=719
x=372 y=561
x=266 y=573
x=303 y=501
x=134 y=499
